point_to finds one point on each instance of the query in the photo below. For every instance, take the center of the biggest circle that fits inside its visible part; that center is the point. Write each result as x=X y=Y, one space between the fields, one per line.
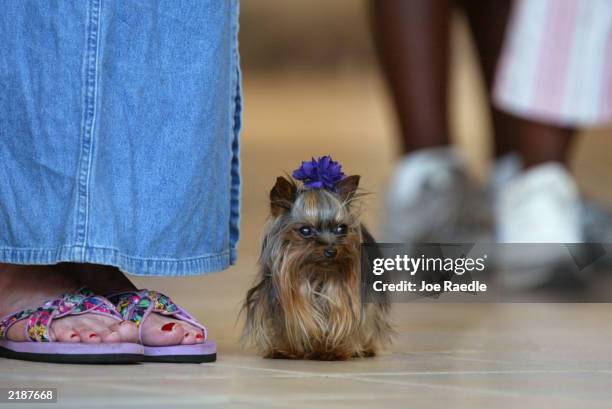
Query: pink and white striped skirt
x=556 y=65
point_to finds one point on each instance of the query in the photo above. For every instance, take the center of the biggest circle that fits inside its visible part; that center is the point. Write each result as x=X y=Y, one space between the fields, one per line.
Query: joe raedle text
x=424 y=286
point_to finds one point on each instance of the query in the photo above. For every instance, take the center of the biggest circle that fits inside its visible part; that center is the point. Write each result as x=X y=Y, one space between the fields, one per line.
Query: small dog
x=306 y=303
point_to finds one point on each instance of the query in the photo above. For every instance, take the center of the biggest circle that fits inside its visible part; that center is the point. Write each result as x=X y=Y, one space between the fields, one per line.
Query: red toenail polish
x=199 y=336
x=93 y=335
x=168 y=327
x=74 y=334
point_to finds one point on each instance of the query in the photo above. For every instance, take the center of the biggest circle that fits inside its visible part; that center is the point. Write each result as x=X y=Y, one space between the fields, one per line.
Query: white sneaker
x=431 y=199
x=596 y=218
x=541 y=205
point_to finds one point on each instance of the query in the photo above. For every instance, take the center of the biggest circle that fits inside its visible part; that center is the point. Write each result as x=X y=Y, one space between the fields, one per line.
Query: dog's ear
x=282 y=196
x=348 y=186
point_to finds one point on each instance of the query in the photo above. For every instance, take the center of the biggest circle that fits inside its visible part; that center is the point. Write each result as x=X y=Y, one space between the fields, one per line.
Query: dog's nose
x=330 y=252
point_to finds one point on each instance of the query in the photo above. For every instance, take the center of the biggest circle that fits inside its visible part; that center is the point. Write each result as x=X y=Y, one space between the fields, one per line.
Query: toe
x=128 y=332
x=193 y=335
x=62 y=331
x=189 y=338
x=67 y=335
x=161 y=332
x=89 y=337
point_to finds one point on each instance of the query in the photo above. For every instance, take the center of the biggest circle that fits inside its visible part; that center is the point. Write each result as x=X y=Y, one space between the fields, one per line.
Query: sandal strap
x=7 y=322
x=135 y=306
x=39 y=319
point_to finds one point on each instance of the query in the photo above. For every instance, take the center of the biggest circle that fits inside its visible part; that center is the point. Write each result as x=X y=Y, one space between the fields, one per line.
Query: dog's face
x=321 y=226
x=316 y=227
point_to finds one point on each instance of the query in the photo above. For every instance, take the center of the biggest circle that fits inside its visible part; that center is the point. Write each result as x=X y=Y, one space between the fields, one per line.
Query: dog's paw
x=368 y=353
x=281 y=355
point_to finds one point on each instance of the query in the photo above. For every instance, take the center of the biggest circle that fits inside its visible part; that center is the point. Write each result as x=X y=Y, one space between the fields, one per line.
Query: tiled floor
x=460 y=356
x=448 y=355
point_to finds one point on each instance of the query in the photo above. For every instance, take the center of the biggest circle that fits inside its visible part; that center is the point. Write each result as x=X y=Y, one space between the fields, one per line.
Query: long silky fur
x=303 y=310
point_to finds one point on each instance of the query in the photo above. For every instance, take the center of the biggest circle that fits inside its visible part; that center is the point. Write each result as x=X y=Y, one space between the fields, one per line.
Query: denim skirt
x=119 y=134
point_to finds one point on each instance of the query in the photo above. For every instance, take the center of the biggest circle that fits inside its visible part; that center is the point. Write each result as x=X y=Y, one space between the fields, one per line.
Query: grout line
x=492 y=361
x=419 y=373
x=51 y=378
x=485 y=372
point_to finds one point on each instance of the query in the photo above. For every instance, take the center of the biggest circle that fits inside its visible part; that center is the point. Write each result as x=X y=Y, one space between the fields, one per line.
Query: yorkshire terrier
x=307 y=301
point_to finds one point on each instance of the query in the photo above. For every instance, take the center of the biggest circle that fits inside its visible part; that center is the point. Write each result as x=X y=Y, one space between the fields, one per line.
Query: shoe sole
x=72 y=358
x=197 y=353
x=181 y=359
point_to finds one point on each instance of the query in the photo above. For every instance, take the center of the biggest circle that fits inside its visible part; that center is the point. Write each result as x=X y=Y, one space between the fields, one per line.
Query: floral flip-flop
x=40 y=346
x=135 y=306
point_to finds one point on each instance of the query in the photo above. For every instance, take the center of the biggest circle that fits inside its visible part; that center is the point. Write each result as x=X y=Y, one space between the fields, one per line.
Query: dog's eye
x=306 y=231
x=341 y=229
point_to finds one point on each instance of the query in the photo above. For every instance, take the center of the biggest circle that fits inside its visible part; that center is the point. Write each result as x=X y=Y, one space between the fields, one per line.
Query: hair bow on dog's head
x=320 y=173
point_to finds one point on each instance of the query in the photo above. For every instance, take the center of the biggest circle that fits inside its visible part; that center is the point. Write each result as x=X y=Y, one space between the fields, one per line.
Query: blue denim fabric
x=119 y=133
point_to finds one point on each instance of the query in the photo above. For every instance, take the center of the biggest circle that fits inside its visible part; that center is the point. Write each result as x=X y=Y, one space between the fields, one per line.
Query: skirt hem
x=129 y=264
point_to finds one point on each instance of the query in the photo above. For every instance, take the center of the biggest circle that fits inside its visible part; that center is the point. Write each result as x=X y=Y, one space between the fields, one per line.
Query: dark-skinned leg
x=412 y=38
x=487 y=21
x=540 y=143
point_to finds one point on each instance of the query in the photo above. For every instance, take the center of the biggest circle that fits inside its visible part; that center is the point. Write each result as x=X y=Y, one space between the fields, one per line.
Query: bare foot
x=29 y=286
x=157 y=330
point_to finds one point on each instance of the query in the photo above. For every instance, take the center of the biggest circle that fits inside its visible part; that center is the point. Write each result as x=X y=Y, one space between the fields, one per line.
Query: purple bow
x=320 y=173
